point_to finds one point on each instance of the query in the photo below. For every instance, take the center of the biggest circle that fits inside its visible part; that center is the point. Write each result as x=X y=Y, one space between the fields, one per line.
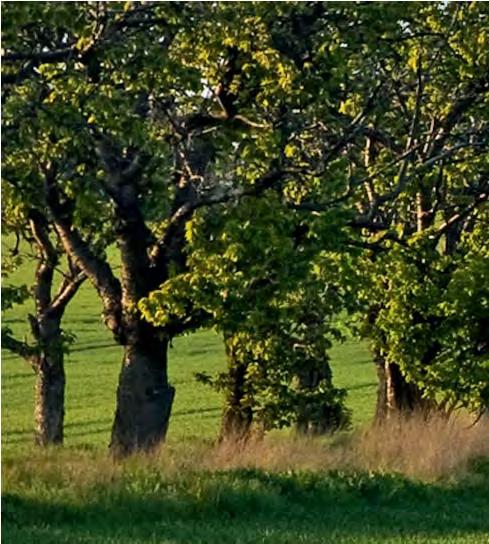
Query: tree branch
x=22 y=349
x=460 y=216
x=48 y=259
x=96 y=269
x=66 y=292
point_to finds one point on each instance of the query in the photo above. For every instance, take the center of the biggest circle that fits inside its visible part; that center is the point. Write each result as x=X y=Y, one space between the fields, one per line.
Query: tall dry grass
x=438 y=447
x=427 y=450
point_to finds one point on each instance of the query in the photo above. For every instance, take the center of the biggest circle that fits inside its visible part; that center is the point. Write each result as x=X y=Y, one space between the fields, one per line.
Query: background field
x=93 y=365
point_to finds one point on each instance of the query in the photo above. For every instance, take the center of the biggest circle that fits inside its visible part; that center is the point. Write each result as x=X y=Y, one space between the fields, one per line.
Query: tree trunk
x=48 y=364
x=49 y=402
x=144 y=398
x=324 y=417
x=395 y=396
x=236 y=418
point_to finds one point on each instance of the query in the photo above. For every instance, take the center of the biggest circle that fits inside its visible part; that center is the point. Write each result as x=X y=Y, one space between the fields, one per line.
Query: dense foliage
x=203 y=138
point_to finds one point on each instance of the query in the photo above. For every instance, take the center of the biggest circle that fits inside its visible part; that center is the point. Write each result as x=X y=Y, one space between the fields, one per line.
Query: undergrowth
x=276 y=490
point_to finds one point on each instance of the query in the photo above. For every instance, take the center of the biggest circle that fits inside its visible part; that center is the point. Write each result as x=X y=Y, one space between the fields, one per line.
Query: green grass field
x=93 y=365
x=193 y=492
x=148 y=504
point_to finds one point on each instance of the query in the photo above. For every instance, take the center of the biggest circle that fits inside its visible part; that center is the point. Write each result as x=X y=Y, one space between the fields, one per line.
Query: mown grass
x=93 y=365
x=408 y=483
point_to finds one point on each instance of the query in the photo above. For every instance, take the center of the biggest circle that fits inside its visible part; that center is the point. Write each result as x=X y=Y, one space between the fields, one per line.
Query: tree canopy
x=153 y=126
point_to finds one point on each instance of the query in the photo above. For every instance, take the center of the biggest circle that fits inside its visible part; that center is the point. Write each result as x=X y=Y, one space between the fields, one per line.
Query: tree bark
x=144 y=397
x=395 y=396
x=48 y=363
x=236 y=418
x=49 y=402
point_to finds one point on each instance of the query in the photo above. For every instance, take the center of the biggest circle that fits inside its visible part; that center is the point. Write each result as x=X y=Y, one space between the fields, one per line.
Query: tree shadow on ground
x=251 y=505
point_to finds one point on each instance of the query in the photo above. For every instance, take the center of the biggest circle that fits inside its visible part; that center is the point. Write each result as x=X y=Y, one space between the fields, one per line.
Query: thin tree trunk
x=49 y=403
x=48 y=364
x=322 y=416
x=381 y=409
x=321 y=419
x=144 y=398
x=236 y=418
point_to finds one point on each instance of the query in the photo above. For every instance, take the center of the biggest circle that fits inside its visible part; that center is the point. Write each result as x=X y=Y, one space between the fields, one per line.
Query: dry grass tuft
x=439 y=448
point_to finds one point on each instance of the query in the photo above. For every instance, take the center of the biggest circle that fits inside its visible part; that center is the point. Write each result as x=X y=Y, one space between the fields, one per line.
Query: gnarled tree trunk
x=144 y=398
x=48 y=364
x=50 y=387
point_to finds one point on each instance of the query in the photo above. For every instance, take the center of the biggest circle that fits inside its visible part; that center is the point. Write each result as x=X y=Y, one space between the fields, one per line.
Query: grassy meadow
x=94 y=362
x=409 y=483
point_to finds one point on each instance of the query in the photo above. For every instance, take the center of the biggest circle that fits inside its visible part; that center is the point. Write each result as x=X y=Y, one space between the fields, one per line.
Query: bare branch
x=66 y=292
x=460 y=216
x=48 y=259
x=22 y=349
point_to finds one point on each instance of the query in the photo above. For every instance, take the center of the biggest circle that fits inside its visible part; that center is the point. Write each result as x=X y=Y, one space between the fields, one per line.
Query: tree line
x=261 y=168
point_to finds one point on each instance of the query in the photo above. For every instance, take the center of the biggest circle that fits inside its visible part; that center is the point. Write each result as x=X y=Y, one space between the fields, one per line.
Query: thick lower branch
x=22 y=349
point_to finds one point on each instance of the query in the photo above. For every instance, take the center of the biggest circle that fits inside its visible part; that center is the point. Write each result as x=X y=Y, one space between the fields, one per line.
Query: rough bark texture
x=395 y=396
x=48 y=363
x=144 y=399
x=49 y=403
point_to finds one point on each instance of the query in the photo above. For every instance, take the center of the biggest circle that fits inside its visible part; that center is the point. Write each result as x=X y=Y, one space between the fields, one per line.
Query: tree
x=315 y=47
x=433 y=319
x=424 y=204
x=68 y=100
x=417 y=166
x=46 y=353
x=123 y=124
x=254 y=271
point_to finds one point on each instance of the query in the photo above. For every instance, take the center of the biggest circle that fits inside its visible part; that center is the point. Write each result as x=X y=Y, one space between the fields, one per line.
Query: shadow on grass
x=93 y=346
x=178 y=413
x=250 y=505
x=362 y=386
